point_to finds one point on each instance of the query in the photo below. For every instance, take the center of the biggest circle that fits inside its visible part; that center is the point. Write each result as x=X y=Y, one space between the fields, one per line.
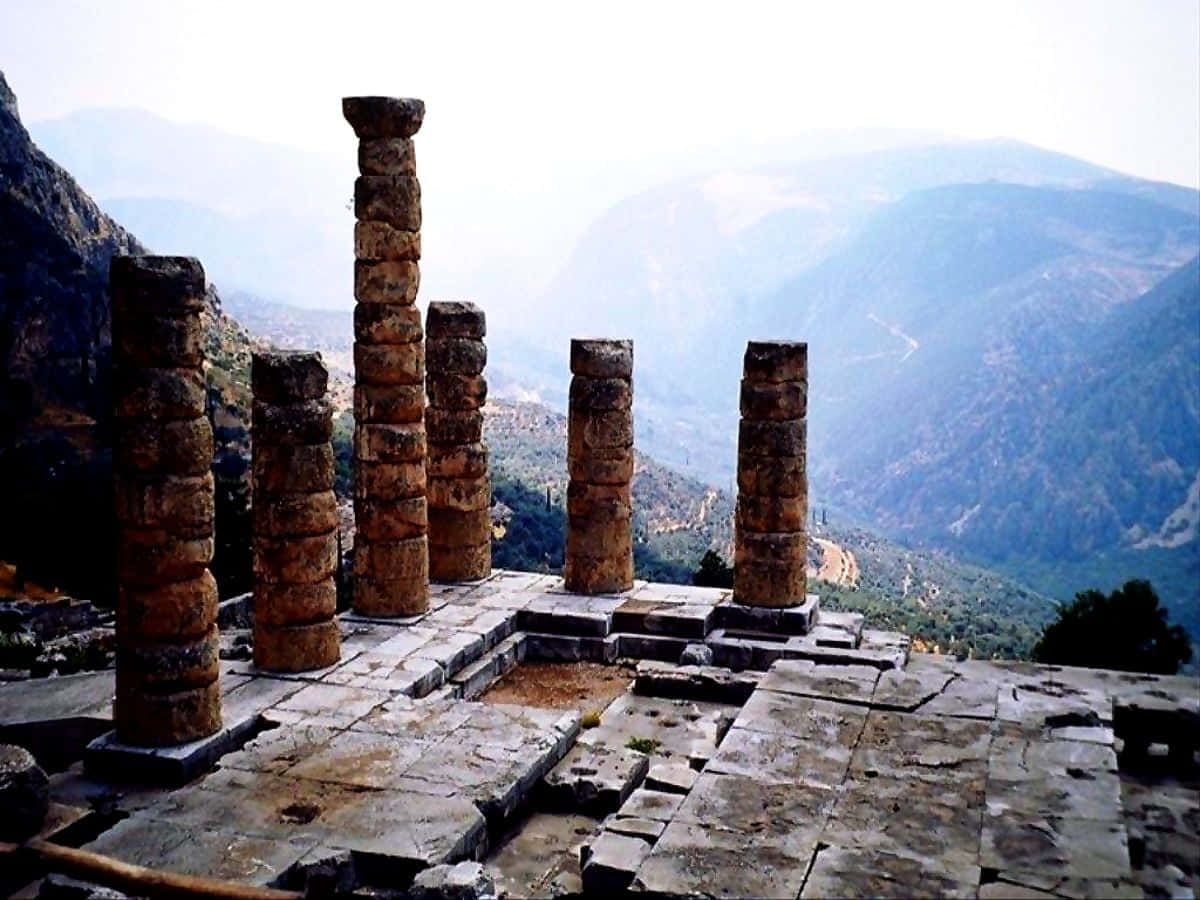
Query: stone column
x=459 y=490
x=770 y=545
x=167 y=649
x=295 y=514
x=599 y=554
x=391 y=556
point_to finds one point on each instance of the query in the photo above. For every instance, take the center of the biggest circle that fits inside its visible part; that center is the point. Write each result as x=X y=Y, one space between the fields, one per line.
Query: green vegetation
x=643 y=745
x=713 y=572
x=343 y=453
x=1125 y=630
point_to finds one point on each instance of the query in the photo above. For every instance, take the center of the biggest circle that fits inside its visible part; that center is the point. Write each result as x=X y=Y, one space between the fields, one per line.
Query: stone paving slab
x=697 y=860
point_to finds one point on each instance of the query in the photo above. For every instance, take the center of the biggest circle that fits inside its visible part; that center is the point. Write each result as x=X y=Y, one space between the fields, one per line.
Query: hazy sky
x=513 y=88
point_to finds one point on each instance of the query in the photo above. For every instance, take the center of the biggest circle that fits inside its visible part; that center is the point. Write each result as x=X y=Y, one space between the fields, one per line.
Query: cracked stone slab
x=336 y=706
x=945 y=836
x=771 y=810
x=596 y=779
x=671 y=777
x=649 y=804
x=610 y=862
x=779 y=758
x=814 y=720
x=413 y=675
x=426 y=719
x=277 y=749
x=905 y=745
x=693 y=860
x=905 y=691
x=361 y=759
x=803 y=678
x=542 y=856
x=1071 y=848
x=634 y=826
x=1032 y=701
x=1020 y=757
x=855 y=872
x=1077 y=794
x=682 y=730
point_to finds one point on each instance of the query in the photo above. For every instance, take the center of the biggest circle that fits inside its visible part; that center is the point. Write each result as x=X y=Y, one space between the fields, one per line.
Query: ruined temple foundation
x=295 y=514
x=391 y=558
x=459 y=490
x=599 y=546
x=167 y=648
x=770 y=544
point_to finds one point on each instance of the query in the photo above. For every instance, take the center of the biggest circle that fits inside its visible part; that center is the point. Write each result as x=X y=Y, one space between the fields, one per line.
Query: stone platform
x=815 y=758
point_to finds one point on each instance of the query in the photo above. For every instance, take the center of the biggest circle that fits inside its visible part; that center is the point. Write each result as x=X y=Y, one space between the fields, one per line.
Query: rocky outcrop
x=56 y=363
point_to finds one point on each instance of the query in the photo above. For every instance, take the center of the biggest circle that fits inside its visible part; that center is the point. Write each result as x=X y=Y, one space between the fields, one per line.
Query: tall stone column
x=167 y=649
x=599 y=552
x=391 y=556
x=770 y=544
x=459 y=490
x=295 y=514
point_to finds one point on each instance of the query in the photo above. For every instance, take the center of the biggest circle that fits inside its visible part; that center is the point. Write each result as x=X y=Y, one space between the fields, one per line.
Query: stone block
x=24 y=794
x=392 y=520
x=389 y=364
x=595 y=780
x=563 y=620
x=458 y=461
x=155 y=720
x=775 y=361
x=297 y=648
x=292 y=469
x=774 y=401
x=294 y=604
x=408 y=558
x=593 y=575
x=607 y=429
x=295 y=560
x=278 y=515
x=165 y=668
x=456 y=319
x=610 y=466
x=288 y=376
x=389 y=443
x=387 y=156
x=383 y=482
x=301 y=423
x=379 y=240
x=158 y=394
x=771 y=514
x=656 y=647
x=602 y=358
x=398 y=404
x=376 y=118
x=153 y=557
x=671 y=778
x=600 y=501
x=773 y=440
x=388 y=282
x=462 y=881
x=463 y=494
x=156 y=286
x=183 y=447
x=455 y=356
x=455 y=392
x=610 y=862
x=454 y=564
x=178 y=611
x=764 y=476
x=445 y=426
x=391 y=596
x=600 y=394
x=183 y=505
x=392 y=199
x=708 y=683
x=154 y=340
